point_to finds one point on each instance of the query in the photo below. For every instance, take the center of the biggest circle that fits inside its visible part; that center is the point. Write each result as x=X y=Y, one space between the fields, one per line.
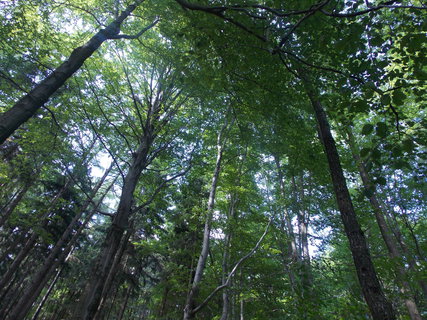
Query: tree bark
x=92 y=295
x=46 y=295
x=29 y=244
x=226 y=258
x=189 y=304
x=125 y=303
x=379 y=306
x=114 y=268
x=29 y=104
x=9 y=209
x=386 y=233
x=290 y=256
x=44 y=273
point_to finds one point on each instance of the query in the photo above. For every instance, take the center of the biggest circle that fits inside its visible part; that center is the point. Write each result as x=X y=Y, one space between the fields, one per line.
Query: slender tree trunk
x=29 y=244
x=14 y=297
x=303 y=222
x=302 y=217
x=9 y=209
x=113 y=301
x=226 y=259
x=28 y=105
x=288 y=219
x=379 y=306
x=46 y=295
x=10 y=295
x=125 y=303
x=43 y=274
x=225 y=293
x=291 y=254
x=412 y=258
x=164 y=301
x=112 y=273
x=386 y=233
x=92 y=295
x=189 y=304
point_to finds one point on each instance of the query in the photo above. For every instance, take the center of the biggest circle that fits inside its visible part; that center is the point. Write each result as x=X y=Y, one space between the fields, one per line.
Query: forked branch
x=233 y=271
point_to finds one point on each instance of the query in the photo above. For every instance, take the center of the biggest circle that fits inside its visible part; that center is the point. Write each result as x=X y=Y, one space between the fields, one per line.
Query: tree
x=309 y=204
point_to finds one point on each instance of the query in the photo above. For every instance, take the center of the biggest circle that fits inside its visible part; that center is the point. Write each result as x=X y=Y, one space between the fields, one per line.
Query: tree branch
x=233 y=271
x=135 y=36
x=359 y=13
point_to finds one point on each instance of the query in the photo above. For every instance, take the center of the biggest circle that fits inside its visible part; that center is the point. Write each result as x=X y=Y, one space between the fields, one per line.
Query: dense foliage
x=165 y=159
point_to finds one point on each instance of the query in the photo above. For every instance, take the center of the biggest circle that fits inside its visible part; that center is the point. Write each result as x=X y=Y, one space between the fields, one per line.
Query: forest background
x=213 y=159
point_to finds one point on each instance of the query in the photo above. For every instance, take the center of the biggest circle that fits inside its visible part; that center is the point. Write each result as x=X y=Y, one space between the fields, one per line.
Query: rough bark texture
x=379 y=306
x=28 y=105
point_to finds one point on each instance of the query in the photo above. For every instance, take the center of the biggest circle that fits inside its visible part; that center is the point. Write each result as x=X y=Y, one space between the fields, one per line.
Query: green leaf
x=400 y=164
x=385 y=99
x=398 y=97
x=381 y=181
x=367 y=129
x=376 y=154
x=397 y=151
x=359 y=106
x=408 y=145
x=365 y=152
x=381 y=130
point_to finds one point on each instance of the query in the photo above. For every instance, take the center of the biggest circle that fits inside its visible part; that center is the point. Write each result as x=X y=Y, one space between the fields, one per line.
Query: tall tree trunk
x=293 y=250
x=29 y=244
x=386 y=233
x=28 y=105
x=92 y=295
x=9 y=209
x=290 y=254
x=125 y=303
x=302 y=219
x=226 y=258
x=189 y=304
x=11 y=245
x=112 y=273
x=413 y=258
x=225 y=293
x=43 y=274
x=46 y=295
x=379 y=306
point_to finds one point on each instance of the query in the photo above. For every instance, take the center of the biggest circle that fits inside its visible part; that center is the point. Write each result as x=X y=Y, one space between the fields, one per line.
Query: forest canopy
x=213 y=159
